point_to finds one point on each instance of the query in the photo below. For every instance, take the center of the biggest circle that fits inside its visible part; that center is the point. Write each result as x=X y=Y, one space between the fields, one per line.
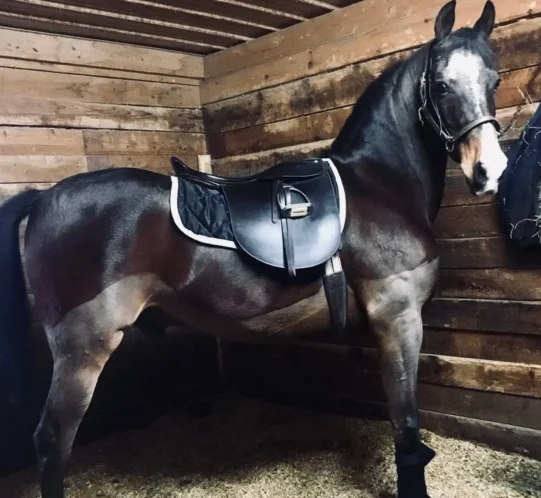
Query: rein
x=436 y=121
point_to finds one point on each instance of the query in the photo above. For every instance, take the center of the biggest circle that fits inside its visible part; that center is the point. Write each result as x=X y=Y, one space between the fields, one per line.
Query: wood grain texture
x=8 y=190
x=338 y=89
x=497 y=346
x=222 y=27
x=467 y=221
x=351 y=373
x=484 y=252
x=40 y=141
x=141 y=142
x=30 y=111
x=38 y=67
x=473 y=344
x=507 y=437
x=104 y=55
x=514 y=317
x=56 y=27
x=97 y=19
x=364 y=24
x=305 y=129
x=237 y=11
x=294 y=7
x=320 y=126
x=95 y=90
x=494 y=283
x=35 y=168
x=276 y=59
x=246 y=164
x=157 y=163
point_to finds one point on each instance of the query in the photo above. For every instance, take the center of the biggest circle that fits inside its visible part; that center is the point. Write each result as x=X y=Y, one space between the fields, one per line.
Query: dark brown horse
x=101 y=247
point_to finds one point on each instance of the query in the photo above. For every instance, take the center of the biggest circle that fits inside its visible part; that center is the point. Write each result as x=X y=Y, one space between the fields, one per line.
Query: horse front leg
x=394 y=309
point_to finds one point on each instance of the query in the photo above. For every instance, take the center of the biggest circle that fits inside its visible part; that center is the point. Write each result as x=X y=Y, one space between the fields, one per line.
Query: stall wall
x=286 y=95
x=68 y=106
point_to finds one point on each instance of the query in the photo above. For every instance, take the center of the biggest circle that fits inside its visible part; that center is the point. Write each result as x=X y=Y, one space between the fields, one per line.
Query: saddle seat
x=287 y=170
x=288 y=216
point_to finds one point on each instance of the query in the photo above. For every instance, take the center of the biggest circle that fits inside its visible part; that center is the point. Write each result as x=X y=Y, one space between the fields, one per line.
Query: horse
x=100 y=247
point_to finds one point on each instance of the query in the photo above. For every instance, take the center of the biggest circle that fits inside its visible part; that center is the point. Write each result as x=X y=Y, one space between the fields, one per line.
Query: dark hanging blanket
x=519 y=192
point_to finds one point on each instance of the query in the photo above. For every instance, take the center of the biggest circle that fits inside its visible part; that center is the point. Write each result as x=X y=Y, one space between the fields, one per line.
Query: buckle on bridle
x=449 y=146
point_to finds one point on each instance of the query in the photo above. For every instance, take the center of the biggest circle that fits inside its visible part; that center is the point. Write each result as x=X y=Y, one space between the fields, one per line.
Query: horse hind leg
x=394 y=309
x=81 y=343
x=72 y=386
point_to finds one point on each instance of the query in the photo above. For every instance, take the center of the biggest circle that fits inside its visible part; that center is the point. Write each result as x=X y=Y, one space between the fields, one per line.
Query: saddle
x=288 y=217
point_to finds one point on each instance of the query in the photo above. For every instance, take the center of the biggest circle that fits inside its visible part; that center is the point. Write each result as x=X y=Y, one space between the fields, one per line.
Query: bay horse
x=100 y=247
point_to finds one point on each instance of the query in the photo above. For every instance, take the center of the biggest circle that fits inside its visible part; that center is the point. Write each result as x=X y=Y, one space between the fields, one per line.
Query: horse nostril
x=480 y=176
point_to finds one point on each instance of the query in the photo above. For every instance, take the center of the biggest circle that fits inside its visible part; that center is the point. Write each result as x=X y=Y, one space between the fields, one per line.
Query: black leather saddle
x=287 y=216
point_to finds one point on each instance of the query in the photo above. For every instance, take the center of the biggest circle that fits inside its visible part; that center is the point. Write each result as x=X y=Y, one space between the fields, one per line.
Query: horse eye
x=441 y=89
x=497 y=84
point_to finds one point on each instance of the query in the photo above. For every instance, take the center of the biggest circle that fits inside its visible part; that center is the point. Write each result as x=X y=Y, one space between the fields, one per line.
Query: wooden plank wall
x=286 y=95
x=71 y=105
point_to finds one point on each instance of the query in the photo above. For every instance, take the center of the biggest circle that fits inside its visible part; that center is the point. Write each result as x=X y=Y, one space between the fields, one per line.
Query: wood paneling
x=321 y=126
x=467 y=221
x=75 y=29
x=229 y=31
x=367 y=30
x=58 y=68
x=241 y=12
x=297 y=8
x=341 y=88
x=95 y=90
x=193 y=26
x=494 y=283
x=514 y=317
x=30 y=111
x=352 y=373
x=103 y=55
x=40 y=141
x=17 y=169
x=99 y=19
x=160 y=164
x=141 y=142
x=8 y=190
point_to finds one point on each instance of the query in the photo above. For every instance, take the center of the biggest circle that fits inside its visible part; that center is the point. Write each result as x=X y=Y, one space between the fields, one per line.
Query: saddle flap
x=258 y=230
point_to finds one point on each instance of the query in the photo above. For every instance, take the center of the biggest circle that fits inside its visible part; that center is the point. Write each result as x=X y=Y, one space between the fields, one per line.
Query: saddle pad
x=201 y=213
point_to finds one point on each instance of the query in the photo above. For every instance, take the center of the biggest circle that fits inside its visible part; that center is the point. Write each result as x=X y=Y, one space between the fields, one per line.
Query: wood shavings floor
x=250 y=448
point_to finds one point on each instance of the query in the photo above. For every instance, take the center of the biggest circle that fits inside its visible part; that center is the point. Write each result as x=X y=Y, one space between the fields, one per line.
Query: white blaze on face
x=464 y=70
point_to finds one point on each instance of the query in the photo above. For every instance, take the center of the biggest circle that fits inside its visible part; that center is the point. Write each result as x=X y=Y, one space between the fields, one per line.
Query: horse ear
x=445 y=20
x=485 y=23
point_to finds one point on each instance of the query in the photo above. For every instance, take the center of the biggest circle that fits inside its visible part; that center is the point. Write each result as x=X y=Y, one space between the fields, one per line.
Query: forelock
x=466 y=40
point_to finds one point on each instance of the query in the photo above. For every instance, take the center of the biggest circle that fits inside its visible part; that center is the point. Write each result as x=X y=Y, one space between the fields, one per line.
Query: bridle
x=436 y=122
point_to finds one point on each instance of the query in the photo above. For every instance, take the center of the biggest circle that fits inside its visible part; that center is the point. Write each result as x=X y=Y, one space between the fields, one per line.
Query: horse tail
x=14 y=311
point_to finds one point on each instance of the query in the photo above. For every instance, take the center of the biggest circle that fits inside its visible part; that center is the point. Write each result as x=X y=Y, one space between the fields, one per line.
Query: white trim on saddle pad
x=186 y=231
x=229 y=243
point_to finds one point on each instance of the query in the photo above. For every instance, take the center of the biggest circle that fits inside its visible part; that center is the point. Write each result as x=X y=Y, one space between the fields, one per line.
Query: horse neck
x=383 y=135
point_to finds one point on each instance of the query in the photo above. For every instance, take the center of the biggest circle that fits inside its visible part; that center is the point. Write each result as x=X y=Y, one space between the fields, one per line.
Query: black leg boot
x=411 y=471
